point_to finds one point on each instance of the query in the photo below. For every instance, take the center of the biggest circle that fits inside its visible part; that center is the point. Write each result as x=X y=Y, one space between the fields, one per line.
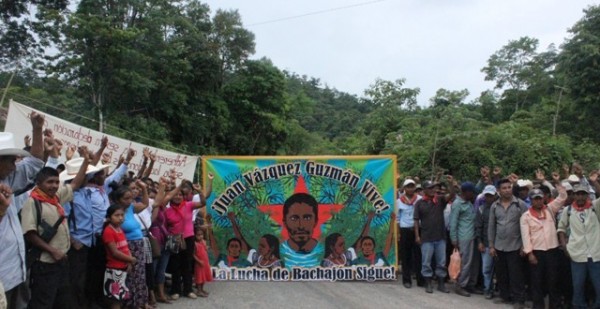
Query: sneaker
x=489 y=295
x=175 y=296
x=192 y=295
x=407 y=285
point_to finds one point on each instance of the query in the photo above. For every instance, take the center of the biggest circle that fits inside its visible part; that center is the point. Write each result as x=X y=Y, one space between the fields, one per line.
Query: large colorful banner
x=72 y=134
x=324 y=218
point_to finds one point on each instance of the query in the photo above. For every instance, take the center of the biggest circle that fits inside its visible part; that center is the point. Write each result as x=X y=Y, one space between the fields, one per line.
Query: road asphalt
x=343 y=295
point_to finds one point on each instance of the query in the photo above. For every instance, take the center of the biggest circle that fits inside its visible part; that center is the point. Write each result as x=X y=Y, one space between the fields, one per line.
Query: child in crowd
x=202 y=271
x=118 y=257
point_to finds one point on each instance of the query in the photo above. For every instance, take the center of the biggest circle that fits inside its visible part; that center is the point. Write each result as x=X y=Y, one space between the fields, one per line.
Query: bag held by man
x=454 y=267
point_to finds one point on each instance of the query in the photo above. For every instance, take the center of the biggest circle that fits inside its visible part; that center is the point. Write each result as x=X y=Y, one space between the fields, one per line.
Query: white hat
x=72 y=168
x=408 y=182
x=101 y=166
x=489 y=189
x=573 y=178
x=7 y=146
x=567 y=186
x=525 y=183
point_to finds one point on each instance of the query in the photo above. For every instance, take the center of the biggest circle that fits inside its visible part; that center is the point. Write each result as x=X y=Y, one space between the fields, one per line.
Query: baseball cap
x=467 y=186
x=580 y=188
x=489 y=189
x=428 y=184
x=408 y=182
x=536 y=193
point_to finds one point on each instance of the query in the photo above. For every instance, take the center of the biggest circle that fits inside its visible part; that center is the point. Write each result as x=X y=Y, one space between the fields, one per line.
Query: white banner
x=72 y=134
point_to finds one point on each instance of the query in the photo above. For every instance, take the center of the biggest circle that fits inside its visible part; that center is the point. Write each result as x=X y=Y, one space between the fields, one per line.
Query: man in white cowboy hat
x=17 y=176
x=45 y=226
x=88 y=211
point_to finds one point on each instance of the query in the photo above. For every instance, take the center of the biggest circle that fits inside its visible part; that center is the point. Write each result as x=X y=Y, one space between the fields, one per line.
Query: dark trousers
x=509 y=275
x=565 y=286
x=50 y=286
x=96 y=264
x=410 y=254
x=544 y=276
x=182 y=267
x=77 y=275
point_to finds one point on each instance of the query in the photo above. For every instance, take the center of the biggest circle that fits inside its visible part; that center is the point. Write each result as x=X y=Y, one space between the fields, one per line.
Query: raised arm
x=213 y=241
x=79 y=179
x=152 y=157
x=209 y=185
x=452 y=184
x=159 y=199
x=238 y=232
x=37 y=142
x=202 y=202
x=100 y=151
x=390 y=236
x=171 y=194
x=366 y=228
x=559 y=202
x=593 y=179
x=146 y=154
x=143 y=204
x=119 y=172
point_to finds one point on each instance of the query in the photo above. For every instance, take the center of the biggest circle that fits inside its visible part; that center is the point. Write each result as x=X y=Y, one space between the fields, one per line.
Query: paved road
x=341 y=295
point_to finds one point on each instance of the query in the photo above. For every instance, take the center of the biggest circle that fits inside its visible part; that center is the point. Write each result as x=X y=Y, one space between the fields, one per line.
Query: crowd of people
x=518 y=239
x=78 y=235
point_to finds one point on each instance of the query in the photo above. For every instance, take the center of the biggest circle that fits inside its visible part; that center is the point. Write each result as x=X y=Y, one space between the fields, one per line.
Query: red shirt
x=110 y=234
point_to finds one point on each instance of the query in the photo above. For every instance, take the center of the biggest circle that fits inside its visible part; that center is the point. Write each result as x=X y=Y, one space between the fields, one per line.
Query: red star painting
x=275 y=211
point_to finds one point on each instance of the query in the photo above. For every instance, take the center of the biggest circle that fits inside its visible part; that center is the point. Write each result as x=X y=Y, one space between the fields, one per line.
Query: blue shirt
x=89 y=209
x=131 y=227
x=12 y=254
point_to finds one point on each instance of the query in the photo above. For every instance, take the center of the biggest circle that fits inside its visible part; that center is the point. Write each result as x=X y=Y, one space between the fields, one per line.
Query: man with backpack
x=579 y=236
x=45 y=227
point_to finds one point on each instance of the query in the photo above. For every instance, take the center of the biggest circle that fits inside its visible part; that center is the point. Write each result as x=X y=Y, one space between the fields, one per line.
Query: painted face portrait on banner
x=292 y=215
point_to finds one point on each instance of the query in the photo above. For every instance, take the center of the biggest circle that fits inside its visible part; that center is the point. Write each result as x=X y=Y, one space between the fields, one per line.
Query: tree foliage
x=175 y=75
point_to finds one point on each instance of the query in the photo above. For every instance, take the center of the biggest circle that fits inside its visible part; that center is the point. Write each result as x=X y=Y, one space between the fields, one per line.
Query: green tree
x=510 y=68
x=258 y=109
x=579 y=64
x=230 y=41
x=28 y=28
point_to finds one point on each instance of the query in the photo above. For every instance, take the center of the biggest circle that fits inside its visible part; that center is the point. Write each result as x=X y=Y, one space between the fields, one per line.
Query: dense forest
x=173 y=74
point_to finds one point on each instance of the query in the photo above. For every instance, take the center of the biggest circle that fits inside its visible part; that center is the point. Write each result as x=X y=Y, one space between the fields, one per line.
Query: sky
x=432 y=44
